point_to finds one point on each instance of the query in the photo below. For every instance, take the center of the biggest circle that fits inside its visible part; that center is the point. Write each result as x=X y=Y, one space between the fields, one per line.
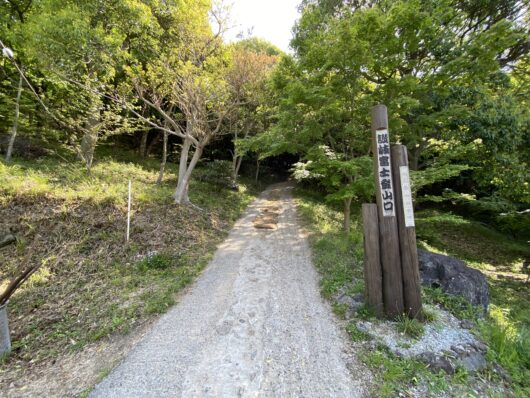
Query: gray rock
x=479 y=346
x=473 y=362
x=454 y=277
x=437 y=362
x=352 y=302
x=467 y=324
x=459 y=350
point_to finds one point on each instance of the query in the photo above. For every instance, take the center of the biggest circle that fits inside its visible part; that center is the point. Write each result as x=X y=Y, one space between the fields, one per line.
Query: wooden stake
x=388 y=230
x=407 y=233
x=128 y=212
x=373 y=278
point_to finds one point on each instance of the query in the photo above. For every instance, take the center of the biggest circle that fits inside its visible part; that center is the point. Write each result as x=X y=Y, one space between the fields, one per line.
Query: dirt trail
x=253 y=325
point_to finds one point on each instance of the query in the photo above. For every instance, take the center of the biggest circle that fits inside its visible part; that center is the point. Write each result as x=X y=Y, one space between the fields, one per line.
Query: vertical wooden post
x=407 y=232
x=373 y=277
x=388 y=229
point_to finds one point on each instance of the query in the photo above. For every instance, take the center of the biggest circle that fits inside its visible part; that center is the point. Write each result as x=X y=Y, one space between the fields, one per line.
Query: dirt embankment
x=89 y=285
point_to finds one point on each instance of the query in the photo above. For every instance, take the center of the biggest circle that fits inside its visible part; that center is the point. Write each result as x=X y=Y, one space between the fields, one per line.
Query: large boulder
x=454 y=277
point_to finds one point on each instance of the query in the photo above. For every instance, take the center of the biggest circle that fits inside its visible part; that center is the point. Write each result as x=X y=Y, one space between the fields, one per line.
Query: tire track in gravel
x=253 y=325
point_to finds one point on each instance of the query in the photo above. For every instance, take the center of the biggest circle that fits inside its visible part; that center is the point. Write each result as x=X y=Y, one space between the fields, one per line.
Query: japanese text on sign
x=408 y=208
x=385 y=173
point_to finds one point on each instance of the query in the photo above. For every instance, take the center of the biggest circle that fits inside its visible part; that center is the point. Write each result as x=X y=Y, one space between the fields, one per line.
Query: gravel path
x=253 y=325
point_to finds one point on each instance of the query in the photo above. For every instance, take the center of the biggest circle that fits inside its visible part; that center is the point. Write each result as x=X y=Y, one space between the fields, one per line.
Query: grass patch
x=356 y=334
x=456 y=305
x=411 y=327
x=499 y=257
x=339 y=258
x=92 y=283
x=429 y=314
x=397 y=376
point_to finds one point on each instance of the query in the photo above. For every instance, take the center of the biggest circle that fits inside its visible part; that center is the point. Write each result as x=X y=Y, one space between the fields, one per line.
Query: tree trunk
x=163 y=161
x=143 y=143
x=257 y=170
x=238 y=166
x=9 y=151
x=347 y=212
x=181 y=193
x=234 y=156
x=153 y=142
x=88 y=144
x=414 y=158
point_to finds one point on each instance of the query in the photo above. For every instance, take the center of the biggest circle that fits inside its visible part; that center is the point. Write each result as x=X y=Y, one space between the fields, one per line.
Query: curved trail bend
x=253 y=325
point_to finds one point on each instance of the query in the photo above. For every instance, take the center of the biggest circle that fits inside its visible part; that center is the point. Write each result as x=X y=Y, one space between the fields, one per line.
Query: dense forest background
x=157 y=76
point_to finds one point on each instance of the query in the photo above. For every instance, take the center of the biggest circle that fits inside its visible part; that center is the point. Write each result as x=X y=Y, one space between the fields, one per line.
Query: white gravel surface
x=437 y=337
x=253 y=325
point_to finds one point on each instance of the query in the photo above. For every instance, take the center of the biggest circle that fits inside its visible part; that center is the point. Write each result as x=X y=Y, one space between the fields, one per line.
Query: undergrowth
x=506 y=328
x=92 y=284
x=339 y=259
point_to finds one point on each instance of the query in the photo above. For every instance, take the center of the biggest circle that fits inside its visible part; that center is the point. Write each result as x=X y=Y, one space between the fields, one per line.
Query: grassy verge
x=339 y=259
x=91 y=283
x=507 y=327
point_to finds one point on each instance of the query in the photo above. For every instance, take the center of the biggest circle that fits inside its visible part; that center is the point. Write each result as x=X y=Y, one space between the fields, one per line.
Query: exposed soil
x=73 y=373
x=268 y=216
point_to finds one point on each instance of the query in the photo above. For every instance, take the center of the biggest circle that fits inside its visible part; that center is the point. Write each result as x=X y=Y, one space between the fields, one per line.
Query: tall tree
x=82 y=46
x=252 y=61
x=185 y=85
x=442 y=67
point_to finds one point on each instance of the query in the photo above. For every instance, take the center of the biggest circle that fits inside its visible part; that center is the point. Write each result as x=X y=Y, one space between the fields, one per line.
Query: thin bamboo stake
x=129 y=212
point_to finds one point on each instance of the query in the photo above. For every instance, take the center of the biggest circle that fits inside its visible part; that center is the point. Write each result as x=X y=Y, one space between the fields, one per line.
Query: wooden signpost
x=391 y=260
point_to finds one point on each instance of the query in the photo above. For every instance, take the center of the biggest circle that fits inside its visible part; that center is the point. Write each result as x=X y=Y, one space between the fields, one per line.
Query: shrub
x=216 y=172
x=410 y=327
x=155 y=261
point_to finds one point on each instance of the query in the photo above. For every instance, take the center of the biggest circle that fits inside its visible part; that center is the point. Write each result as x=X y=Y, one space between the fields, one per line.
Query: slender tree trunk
x=234 y=157
x=153 y=142
x=181 y=194
x=257 y=170
x=238 y=166
x=347 y=213
x=143 y=143
x=9 y=151
x=163 y=161
x=89 y=142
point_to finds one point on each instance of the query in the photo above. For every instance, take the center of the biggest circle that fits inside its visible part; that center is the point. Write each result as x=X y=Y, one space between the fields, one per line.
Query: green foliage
x=509 y=346
x=355 y=333
x=516 y=224
x=505 y=327
x=341 y=177
x=155 y=261
x=445 y=78
x=257 y=45
x=215 y=172
x=435 y=174
x=410 y=327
